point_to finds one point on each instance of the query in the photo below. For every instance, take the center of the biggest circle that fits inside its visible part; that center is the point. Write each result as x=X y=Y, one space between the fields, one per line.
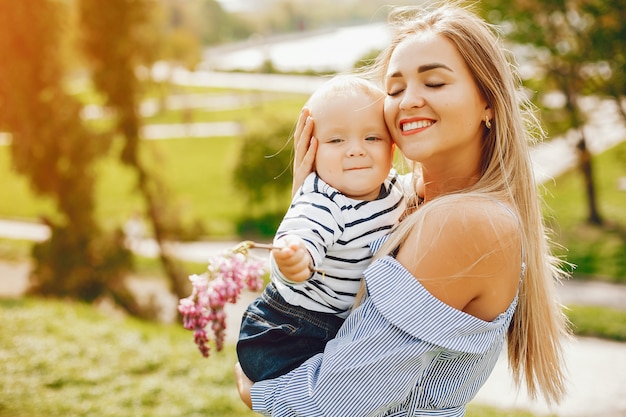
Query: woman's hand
x=305 y=146
x=243 y=385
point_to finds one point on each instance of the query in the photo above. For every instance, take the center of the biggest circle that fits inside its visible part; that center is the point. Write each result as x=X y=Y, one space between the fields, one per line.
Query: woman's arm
x=305 y=146
x=243 y=385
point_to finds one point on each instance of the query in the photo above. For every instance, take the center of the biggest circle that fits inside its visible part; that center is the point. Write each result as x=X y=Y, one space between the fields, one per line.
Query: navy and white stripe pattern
x=337 y=231
x=402 y=352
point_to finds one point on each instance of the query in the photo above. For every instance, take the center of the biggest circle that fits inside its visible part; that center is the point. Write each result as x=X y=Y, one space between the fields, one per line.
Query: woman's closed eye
x=393 y=93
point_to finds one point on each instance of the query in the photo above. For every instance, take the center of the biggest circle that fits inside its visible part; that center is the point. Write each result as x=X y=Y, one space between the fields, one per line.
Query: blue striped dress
x=337 y=231
x=402 y=352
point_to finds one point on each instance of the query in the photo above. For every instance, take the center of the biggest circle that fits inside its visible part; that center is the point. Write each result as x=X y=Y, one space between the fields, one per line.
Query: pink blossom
x=227 y=275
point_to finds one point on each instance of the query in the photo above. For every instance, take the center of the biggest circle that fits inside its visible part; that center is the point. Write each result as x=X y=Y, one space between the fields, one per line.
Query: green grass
x=60 y=358
x=598 y=252
x=197 y=177
x=68 y=359
x=482 y=411
x=592 y=321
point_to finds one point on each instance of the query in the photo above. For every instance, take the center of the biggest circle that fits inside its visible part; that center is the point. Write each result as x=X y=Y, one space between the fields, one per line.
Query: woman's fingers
x=305 y=147
x=301 y=137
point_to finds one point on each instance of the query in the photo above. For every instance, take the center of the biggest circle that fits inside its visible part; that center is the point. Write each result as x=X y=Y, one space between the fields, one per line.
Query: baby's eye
x=335 y=140
x=372 y=138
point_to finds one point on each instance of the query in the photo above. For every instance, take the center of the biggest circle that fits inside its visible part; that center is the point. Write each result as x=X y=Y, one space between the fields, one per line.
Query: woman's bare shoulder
x=466 y=248
x=475 y=216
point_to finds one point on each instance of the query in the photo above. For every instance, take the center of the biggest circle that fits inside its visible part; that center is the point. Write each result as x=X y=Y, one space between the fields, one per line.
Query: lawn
x=82 y=362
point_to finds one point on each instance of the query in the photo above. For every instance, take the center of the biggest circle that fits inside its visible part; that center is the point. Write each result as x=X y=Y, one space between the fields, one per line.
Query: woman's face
x=433 y=108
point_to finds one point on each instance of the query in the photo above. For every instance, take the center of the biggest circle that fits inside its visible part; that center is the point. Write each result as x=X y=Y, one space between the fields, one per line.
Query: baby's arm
x=293 y=259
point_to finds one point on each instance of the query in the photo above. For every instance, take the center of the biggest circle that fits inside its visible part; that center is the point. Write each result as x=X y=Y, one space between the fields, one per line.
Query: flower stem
x=255 y=245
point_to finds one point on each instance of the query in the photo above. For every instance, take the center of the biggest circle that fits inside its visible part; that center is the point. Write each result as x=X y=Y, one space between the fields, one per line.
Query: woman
x=468 y=270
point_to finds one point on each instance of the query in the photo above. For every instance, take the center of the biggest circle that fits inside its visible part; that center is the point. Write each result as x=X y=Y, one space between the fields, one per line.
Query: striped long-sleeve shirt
x=337 y=232
x=402 y=352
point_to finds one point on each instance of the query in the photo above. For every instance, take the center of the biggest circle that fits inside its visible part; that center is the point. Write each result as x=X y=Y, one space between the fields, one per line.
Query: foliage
x=56 y=152
x=575 y=47
x=263 y=169
x=206 y=21
x=608 y=73
x=562 y=37
x=259 y=226
x=262 y=175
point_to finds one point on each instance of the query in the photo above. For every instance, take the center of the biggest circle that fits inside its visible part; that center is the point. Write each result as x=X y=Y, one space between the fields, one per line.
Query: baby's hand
x=292 y=258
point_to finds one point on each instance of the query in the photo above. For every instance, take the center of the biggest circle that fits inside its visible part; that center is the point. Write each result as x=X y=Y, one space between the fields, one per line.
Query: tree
x=56 y=152
x=561 y=34
x=607 y=73
x=115 y=57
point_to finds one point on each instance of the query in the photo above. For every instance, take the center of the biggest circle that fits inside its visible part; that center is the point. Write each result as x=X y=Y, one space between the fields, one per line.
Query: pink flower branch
x=227 y=275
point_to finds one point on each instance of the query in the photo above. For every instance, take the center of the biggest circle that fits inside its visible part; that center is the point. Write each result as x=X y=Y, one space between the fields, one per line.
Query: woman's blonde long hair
x=539 y=325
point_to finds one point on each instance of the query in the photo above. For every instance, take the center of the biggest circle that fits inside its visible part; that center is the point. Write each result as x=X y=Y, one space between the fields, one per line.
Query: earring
x=487 y=122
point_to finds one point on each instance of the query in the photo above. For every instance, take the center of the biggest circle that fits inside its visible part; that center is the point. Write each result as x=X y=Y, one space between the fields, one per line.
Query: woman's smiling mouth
x=415 y=125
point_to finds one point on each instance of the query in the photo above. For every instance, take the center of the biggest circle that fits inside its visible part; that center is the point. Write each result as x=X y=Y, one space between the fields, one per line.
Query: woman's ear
x=489 y=112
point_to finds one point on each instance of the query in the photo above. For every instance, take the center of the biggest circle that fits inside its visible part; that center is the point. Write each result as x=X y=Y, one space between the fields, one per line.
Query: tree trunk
x=585 y=165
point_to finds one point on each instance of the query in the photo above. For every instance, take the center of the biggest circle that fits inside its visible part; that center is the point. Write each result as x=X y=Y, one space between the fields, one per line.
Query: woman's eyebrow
x=422 y=69
x=429 y=67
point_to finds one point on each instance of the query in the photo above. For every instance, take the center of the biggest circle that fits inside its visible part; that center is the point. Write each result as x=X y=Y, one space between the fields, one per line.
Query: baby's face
x=355 y=150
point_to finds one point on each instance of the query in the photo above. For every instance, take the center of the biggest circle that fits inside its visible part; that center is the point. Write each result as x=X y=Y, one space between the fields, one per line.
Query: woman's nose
x=412 y=98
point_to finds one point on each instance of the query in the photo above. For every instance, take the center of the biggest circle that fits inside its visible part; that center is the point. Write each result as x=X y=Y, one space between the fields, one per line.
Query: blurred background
x=138 y=137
